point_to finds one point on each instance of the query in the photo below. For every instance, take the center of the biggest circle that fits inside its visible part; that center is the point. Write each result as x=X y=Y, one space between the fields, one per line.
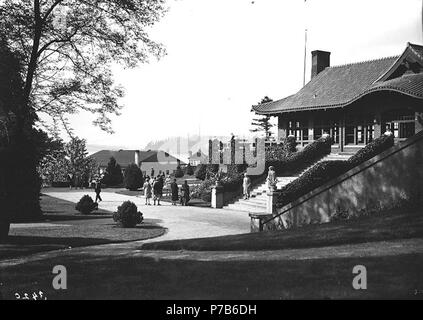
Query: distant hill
x=182 y=145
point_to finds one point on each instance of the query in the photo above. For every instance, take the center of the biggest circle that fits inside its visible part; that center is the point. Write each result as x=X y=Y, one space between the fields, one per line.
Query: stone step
x=253 y=201
x=244 y=207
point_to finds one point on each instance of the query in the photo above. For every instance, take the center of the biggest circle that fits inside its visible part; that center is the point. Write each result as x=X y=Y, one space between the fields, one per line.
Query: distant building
x=159 y=161
x=197 y=158
x=354 y=103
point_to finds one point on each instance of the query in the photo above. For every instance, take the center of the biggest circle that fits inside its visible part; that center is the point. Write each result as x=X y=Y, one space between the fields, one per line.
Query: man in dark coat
x=185 y=193
x=174 y=189
x=97 y=190
x=158 y=191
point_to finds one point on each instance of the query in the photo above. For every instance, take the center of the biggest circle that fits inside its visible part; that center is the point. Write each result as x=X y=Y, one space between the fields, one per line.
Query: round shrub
x=86 y=205
x=127 y=215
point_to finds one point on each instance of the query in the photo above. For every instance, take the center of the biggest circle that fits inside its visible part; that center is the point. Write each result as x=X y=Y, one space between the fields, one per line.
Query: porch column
x=310 y=129
x=342 y=133
x=418 y=122
x=378 y=125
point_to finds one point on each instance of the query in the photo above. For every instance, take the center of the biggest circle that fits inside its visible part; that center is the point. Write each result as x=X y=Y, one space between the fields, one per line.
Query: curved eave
x=299 y=109
x=409 y=93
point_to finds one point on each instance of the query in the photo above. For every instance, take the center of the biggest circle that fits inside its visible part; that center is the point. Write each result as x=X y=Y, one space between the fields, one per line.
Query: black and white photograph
x=210 y=155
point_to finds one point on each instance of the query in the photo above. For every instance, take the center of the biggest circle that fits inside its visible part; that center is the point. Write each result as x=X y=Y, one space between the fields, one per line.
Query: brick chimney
x=320 y=60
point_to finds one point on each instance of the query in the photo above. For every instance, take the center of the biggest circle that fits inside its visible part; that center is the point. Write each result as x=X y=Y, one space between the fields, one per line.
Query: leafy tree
x=133 y=177
x=189 y=170
x=55 y=58
x=179 y=173
x=80 y=165
x=19 y=181
x=113 y=175
x=68 y=47
x=262 y=124
x=70 y=158
x=200 y=172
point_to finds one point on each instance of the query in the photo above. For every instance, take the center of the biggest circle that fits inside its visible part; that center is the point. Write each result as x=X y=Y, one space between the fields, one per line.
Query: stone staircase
x=258 y=199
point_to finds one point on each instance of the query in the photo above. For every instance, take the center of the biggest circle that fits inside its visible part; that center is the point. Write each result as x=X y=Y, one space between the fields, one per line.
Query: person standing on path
x=147 y=192
x=97 y=190
x=157 y=190
x=174 y=189
x=185 y=193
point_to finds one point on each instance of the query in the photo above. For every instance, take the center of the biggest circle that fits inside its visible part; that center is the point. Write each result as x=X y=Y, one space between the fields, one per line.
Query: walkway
x=181 y=222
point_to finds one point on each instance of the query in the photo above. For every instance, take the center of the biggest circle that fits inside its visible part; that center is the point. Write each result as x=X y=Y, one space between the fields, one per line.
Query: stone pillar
x=137 y=157
x=257 y=221
x=272 y=198
x=217 y=197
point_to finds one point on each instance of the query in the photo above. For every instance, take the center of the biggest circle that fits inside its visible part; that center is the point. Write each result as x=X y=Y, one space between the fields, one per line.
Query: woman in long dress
x=147 y=192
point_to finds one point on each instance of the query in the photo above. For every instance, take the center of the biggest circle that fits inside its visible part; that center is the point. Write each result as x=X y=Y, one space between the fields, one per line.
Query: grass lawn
x=63 y=227
x=388 y=226
x=147 y=278
x=58 y=209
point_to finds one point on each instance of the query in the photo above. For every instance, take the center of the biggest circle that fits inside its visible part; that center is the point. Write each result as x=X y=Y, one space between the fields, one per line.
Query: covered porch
x=353 y=126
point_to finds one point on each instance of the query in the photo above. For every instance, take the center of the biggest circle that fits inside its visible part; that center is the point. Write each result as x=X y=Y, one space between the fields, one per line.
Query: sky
x=224 y=56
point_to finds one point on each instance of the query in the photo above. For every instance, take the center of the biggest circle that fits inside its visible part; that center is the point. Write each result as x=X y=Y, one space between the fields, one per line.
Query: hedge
x=372 y=149
x=296 y=161
x=328 y=170
x=231 y=182
x=203 y=170
x=313 y=178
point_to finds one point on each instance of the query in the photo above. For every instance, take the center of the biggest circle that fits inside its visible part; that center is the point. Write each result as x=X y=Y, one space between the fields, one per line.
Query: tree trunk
x=4 y=230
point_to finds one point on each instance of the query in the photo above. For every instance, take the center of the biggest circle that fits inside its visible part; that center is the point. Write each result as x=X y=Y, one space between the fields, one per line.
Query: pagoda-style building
x=354 y=103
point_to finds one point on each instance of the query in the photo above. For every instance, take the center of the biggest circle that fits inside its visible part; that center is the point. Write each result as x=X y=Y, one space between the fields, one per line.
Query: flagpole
x=305 y=57
x=305 y=49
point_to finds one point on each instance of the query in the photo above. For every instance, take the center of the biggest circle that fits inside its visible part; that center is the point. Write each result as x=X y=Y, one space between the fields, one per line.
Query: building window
x=349 y=135
x=324 y=126
x=401 y=123
x=359 y=134
x=370 y=133
x=299 y=130
x=359 y=129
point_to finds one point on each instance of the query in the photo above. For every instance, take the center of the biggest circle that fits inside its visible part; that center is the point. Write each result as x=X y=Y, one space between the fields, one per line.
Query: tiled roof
x=126 y=157
x=338 y=86
x=123 y=157
x=162 y=156
x=411 y=84
x=418 y=50
x=332 y=87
